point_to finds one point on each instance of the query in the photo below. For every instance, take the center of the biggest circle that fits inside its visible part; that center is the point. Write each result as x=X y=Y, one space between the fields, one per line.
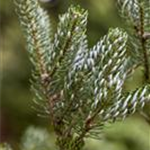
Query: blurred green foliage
x=37 y=139
x=5 y=147
x=16 y=98
x=133 y=134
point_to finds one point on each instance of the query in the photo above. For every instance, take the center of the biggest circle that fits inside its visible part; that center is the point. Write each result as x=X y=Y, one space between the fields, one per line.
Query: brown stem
x=143 y=43
x=88 y=125
x=55 y=120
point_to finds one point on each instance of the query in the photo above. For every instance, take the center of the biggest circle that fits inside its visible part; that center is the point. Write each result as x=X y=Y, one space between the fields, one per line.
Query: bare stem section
x=144 y=38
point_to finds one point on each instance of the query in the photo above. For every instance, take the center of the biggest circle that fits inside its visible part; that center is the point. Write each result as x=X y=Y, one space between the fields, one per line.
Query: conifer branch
x=37 y=30
x=143 y=43
x=81 y=89
x=66 y=45
x=136 y=13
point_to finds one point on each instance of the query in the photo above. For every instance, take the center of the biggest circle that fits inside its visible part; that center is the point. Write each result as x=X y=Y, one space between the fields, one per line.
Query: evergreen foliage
x=81 y=88
x=137 y=16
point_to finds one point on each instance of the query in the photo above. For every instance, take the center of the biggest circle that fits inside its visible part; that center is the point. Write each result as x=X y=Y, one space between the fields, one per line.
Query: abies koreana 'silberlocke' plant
x=80 y=88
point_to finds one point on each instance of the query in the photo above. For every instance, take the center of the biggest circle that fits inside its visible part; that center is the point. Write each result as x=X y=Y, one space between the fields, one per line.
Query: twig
x=143 y=43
